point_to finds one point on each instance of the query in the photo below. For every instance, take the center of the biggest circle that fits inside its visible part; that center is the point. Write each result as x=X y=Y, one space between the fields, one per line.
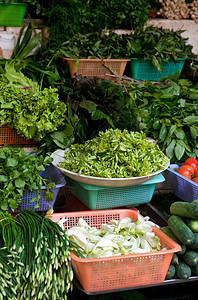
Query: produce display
x=168 y=112
x=31 y=111
x=34 y=255
x=115 y=238
x=20 y=171
x=189 y=169
x=115 y=154
x=183 y=229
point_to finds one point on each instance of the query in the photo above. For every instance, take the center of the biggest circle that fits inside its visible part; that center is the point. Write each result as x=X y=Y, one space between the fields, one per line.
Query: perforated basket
x=183 y=188
x=54 y=175
x=144 y=70
x=12 y=14
x=96 y=197
x=123 y=271
x=96 y=67
x=9 y=136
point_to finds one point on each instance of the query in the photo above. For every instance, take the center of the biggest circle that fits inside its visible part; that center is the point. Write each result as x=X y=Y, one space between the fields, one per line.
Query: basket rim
x=149 y=59
x=96 y=59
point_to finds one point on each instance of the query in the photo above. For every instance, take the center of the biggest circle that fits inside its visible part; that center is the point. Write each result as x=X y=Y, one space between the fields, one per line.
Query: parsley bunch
x=18 y=172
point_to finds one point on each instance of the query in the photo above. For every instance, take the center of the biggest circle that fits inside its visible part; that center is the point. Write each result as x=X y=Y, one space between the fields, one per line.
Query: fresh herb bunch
x=168 y=112
x=32 y=112
x=31 y=245
x=160 y=45
x=18 y=172
x=65 y=18
x=111 y=45
x=115 y=154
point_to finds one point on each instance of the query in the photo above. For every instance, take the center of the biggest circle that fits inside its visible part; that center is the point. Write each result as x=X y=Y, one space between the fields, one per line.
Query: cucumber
x=184 y=209
x=182 y=270
x=192 y=224
x=171 y=272
x=194 y=245
x=190 y=257
x=174 y=259
x=169 y=232
x=181 y=230
x=195 y=201
x=195 y=269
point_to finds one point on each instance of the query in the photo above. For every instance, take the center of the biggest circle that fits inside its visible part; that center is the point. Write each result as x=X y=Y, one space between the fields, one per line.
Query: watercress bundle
x=18 y=172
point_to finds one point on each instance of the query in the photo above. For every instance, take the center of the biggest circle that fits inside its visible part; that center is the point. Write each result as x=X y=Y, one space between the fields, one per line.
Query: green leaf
x=179 y=151
x=170 y=149
x=193 y=132
x=162 y=133
x=90 y=106
x=3 y=178
x=11 y=162
x=19 y=183
x=180 y=134
x=156 y=63
x=191 y=119
x=98 y=115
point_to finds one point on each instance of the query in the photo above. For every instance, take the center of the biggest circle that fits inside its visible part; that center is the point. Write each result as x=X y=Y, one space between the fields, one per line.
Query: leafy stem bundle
x=37 y=251
x=169 y=113
x=18 y=172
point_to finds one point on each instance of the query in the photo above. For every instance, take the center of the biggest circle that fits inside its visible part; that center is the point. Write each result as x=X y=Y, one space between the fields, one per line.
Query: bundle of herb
x=115 y=154
x=18 y=172
x=32 y=112
x=41 y=264
x=160 y=45
x=167 y=112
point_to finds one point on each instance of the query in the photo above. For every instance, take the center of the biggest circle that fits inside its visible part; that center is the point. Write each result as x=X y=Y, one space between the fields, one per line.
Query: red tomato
x=191 y=161
x=186 y=171
x=195 y=179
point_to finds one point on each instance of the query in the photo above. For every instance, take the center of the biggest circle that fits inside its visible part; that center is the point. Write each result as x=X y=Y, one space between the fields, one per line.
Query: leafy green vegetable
x=18 y=172
x=32 y=112
x=115 y=154
x=168 y=113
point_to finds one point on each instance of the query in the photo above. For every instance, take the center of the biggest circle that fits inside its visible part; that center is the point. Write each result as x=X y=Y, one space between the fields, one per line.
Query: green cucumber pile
x=34 y=258
x=183 y=229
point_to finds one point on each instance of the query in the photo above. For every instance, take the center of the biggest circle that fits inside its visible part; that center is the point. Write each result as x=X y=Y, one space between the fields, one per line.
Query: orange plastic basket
x=96 y=67
x=9 y=136
x=118 y=272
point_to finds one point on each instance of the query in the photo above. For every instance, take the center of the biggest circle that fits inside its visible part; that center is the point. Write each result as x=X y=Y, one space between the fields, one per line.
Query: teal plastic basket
x=144 y=70
x=12 y=14
x=96 y=197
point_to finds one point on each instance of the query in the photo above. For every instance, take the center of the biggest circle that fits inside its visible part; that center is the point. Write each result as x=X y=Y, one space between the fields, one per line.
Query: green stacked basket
x=141 y=69
x=12 y=14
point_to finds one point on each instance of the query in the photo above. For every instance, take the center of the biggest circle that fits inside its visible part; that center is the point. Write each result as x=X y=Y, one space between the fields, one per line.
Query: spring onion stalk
x=35 y=258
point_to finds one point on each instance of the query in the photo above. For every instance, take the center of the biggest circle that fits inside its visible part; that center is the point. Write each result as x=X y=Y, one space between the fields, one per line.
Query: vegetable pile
x=34 y=257
x=115 y=154
x=20 y=171
x=183 y=229
x=32 y=112
x=114 y=238
x=189 y=169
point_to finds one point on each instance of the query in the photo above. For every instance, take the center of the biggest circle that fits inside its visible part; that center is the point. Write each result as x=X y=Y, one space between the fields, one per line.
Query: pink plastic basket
x=184 y=188
x=123 y=271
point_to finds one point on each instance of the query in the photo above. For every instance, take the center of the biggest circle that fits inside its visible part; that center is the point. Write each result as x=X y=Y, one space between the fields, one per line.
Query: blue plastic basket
x=144 y=70
x=53 y=174
x=96 y=197
x=183 y=188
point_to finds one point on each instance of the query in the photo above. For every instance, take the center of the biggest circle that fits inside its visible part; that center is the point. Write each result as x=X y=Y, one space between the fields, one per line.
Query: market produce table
x=158 y=211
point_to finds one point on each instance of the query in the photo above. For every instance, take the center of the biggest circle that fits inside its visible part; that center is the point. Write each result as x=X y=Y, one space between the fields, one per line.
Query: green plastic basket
x=144 y=70
x=96 y=197
x=12 y=14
